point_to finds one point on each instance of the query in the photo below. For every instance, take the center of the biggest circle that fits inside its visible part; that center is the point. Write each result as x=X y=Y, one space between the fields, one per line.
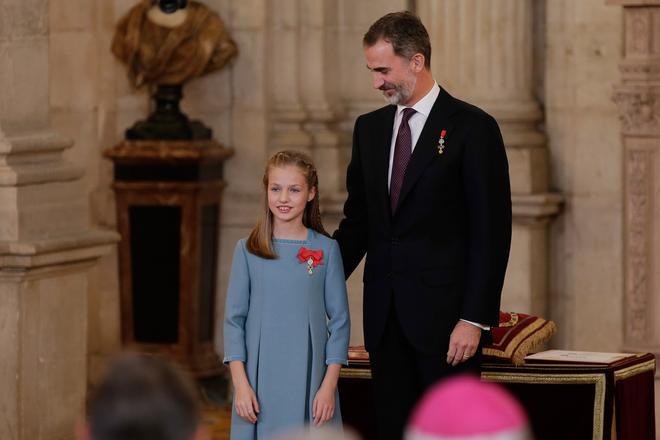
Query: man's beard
x=402 y=91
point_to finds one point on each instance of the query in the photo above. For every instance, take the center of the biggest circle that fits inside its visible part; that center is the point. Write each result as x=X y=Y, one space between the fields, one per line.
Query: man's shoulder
x=377 y=115
x=471 y=112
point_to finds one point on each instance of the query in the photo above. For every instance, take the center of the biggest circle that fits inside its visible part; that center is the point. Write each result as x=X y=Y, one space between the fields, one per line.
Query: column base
x=44 y=288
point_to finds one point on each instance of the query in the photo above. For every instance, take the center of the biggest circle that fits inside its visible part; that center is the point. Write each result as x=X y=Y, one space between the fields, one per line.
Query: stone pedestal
x=493 y=70
x=169 y=196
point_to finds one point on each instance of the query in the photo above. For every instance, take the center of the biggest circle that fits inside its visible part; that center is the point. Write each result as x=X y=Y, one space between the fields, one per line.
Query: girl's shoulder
x=241 y=247
x=322 y=241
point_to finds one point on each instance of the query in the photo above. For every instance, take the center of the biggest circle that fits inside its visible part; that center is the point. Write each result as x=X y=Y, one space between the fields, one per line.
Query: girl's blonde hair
x=260 y=241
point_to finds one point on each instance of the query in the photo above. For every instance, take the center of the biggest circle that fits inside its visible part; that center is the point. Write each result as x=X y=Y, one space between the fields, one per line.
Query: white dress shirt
x=416 y=122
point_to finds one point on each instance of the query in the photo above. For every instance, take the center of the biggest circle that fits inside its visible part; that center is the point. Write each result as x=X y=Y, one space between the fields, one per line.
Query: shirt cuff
x=481 y=326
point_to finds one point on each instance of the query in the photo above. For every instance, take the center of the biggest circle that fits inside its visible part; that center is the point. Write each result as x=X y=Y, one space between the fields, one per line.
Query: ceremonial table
x=564 y=400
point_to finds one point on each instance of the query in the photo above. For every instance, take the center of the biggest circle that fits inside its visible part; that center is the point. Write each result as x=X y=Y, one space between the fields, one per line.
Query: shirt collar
x=425 y=104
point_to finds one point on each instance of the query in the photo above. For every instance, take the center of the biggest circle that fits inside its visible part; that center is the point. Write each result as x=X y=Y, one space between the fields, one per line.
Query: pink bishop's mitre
x=465 y=408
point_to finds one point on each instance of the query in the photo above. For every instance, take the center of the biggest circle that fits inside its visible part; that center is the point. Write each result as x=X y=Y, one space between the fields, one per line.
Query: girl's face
x=288 y=194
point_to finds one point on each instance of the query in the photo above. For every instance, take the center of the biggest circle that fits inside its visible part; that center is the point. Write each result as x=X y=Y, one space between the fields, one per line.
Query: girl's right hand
x=246 y=403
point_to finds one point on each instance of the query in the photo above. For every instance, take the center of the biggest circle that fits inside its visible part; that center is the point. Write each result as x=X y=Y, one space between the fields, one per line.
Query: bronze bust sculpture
x=165 y=43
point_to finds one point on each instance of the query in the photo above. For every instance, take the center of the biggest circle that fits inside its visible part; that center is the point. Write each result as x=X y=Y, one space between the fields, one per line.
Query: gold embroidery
x=597 y=379
x=355 y=373
x=519 y=338
x=634 y=370
x=513 y=320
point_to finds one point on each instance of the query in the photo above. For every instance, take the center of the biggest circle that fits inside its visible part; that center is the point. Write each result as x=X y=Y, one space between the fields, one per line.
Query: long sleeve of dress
x=336 y=305
x=236 y=306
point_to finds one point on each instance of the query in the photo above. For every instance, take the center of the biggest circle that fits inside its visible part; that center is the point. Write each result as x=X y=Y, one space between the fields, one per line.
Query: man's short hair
x=405 y=32
x=143 y=398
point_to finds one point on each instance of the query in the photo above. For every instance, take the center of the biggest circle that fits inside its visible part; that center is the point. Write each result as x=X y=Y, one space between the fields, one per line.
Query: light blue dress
x=286 y=325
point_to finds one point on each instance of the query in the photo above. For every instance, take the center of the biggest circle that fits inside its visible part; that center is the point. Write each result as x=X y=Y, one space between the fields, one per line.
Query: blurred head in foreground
x=465 y=408
x=143 y=398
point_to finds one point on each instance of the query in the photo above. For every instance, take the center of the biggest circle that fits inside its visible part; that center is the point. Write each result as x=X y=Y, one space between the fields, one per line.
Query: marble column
x=47 y=248
x=356 y=96
x=287 y=113
x=318 y=82
x=251 y=129
x=482 y=53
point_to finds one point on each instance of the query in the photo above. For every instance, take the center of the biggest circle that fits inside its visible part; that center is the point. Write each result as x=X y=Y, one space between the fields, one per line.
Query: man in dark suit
x=429 y=202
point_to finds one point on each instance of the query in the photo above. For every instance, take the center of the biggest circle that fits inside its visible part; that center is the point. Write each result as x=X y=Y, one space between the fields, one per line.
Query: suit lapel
x=426 y=148
x=381 y=148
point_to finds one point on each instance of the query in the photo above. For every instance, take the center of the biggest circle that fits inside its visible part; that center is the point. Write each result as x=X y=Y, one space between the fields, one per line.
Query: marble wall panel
x=583 y=40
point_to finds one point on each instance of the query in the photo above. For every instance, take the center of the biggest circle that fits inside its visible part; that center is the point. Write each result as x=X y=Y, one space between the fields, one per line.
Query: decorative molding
x=47 y=141
x=639 y=109
x=84 y=246
x=640 y=71
x=639 y=181
x=161 y=150
x=638 y=29
x=535 y=207
x=638 y=100
x=633 y=2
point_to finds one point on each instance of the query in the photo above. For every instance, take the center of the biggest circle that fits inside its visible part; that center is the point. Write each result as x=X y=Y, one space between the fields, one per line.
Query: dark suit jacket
x=442 y=256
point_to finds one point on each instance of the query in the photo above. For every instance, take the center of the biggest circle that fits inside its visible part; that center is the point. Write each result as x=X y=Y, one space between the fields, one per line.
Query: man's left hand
x=463 y=342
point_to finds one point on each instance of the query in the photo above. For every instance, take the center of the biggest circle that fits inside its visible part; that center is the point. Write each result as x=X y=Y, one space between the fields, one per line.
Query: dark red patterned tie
x=402 y=152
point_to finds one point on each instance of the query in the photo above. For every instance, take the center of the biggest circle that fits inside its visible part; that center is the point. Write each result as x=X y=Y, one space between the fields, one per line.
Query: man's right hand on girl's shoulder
x=245 y=402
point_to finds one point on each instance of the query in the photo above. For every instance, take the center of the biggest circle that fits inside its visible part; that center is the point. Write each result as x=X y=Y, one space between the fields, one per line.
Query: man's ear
x=83 y=431
x=417 y=62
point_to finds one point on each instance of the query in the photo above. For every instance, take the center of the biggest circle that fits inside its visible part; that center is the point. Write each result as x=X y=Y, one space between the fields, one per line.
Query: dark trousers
x=401 y=374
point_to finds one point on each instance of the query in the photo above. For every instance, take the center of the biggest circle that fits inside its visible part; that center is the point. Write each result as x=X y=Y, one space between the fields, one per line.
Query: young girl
x=286 y=323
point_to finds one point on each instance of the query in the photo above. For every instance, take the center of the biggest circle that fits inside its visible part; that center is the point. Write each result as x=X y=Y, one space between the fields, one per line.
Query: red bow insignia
x=441 y=142
x=312 y=257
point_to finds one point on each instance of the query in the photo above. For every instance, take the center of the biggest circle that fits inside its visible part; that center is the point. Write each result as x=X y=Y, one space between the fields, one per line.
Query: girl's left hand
x=323 y=407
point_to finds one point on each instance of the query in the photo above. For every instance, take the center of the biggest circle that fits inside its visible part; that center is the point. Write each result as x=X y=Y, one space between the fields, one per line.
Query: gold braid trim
x=355 y=373
x=527 y=340
x=634 y=370
x=598 y=380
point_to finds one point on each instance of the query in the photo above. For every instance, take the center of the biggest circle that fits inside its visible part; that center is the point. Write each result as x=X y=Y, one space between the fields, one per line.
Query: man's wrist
x=476 y=324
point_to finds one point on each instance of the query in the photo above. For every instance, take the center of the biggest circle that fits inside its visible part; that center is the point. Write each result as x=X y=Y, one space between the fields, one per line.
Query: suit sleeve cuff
x=476 y=324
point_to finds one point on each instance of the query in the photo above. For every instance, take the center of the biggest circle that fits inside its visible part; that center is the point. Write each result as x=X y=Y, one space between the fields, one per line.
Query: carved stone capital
x=639 y=109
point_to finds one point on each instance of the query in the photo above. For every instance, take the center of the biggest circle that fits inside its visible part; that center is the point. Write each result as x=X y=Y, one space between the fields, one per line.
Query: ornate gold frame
x=599 y=380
